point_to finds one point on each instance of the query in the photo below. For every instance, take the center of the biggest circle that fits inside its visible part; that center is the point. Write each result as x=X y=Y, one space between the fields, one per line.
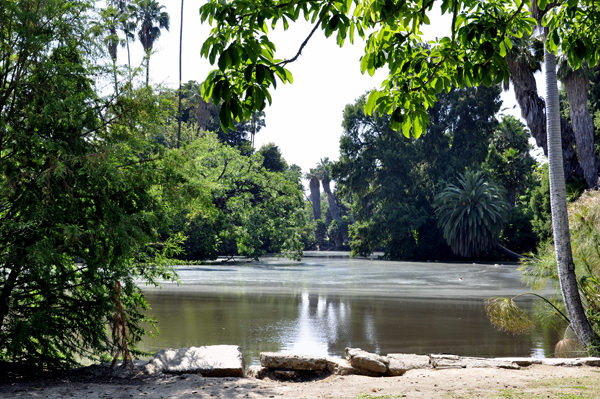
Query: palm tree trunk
x=179 y=106
x=128 y=55
x=577 y=86
x=148 y=68
x=560 y=221
x=315 y=197
x=333 y=208
x=533 y=110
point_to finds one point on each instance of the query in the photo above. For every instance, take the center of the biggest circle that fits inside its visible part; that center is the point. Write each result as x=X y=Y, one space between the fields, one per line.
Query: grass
x=560 y=388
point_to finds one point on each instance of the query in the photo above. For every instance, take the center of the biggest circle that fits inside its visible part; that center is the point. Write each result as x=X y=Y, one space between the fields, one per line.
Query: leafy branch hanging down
x=472 y=54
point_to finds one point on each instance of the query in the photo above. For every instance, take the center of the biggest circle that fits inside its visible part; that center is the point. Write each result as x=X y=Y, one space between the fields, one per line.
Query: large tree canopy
x=78 y=217
x=391 y=180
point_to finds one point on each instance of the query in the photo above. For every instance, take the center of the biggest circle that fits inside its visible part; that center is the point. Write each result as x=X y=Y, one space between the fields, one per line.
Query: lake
x=323 y=304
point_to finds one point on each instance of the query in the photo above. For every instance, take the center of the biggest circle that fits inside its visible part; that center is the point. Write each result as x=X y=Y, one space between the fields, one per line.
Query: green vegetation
x=94 y=199
x=471 y=216
x=101 y=191
x=541 y=272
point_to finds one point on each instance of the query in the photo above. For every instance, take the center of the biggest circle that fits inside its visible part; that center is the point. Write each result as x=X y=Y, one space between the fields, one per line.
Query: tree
x=272 y=158
x=77 y=207
x=472 y=214
x=150 y=19
x=390 y=180
x=508 y=162
x=179 y=92
x=577 y=86
x=473 y=53
x=524 y=59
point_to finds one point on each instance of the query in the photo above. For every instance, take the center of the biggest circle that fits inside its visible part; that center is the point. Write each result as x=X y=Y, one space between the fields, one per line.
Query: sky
x=305 y=117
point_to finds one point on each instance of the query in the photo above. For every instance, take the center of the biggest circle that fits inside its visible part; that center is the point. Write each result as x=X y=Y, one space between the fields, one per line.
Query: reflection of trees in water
x=324 y=324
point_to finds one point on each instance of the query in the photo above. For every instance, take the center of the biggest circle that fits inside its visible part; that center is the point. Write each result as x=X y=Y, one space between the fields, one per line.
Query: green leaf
x=406 y=126
x=364 y=62
x=371 y=101
x=260 y=73
x=248 y=73
x=225 y=117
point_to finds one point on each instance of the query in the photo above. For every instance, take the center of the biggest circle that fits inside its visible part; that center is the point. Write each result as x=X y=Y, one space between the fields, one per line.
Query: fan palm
x=524 y=59
x=471 y=214
x=151 y=19
x=577 y=86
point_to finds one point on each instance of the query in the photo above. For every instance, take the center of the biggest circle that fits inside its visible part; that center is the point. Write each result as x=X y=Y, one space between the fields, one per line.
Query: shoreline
x=528 y=382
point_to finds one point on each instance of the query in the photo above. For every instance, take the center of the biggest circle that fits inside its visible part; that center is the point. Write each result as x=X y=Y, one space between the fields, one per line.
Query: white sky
x=305 y=118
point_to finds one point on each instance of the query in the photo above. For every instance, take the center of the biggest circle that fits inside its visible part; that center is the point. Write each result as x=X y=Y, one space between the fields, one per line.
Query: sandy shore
x=532 y=382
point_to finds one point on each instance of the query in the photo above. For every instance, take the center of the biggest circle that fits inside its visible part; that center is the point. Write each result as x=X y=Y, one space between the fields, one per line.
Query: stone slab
x=364 y=360
x=571 y=362
x=453 y=361
x=343 y=367
x=401 y=362
x=292 y=362
x=210 y=361
x=521 y=361
x=257 y=372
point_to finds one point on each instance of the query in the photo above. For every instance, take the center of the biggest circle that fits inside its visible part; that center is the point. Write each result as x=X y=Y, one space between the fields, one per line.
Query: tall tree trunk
x=179 y=106
x=577 y=86
x=560 y=221
x=333 y=208
x=533 y=110
x=9 y=284
x=148 y=68
x=315 y=197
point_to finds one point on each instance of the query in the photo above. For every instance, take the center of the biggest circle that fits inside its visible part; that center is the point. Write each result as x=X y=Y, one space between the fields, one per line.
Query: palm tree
x=151 y=19
x=524 y=59
x=560 y=221
x=323 y=172
x=179 y=91
x=577 y=86
x=558 y=203
x=471 y=214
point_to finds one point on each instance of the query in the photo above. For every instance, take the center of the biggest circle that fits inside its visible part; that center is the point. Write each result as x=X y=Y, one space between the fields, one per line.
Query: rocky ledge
x=358 y=361
x=227 y=361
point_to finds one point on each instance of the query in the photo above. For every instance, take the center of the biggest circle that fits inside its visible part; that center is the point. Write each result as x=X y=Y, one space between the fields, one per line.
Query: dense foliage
x=471 y=214
x=78 y=215
x=95 y=199
x=540 y=273
x=391 y=180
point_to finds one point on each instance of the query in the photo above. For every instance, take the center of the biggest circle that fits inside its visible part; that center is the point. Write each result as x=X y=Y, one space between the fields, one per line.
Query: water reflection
x=325 y=324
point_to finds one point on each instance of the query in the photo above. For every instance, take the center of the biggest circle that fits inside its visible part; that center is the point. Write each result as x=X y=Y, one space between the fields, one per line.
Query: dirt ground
x=531 y=382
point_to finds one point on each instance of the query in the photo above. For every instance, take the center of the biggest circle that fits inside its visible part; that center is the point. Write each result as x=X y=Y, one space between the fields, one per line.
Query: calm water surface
x=322 y=305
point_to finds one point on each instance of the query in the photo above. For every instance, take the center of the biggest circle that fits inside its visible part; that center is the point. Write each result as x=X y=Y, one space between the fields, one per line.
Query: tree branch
x=325 y=11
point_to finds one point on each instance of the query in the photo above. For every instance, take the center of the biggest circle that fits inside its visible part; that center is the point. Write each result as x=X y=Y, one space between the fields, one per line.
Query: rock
x=258 y=372
x=400 y=363
x=578 y=361
x=521 y=361
x=453 y=361
x=286 y=374
x=343 y=367
x=292 y=362
x=364 y=360
x=210 y=361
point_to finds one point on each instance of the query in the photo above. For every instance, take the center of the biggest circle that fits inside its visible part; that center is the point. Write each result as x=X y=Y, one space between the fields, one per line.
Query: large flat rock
x=402 y=362
x=521 y=361
x=343 y=367
x=453 y=361
x=364 y=360
x=286 y=361
x=210 y=361
x=578 y=361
